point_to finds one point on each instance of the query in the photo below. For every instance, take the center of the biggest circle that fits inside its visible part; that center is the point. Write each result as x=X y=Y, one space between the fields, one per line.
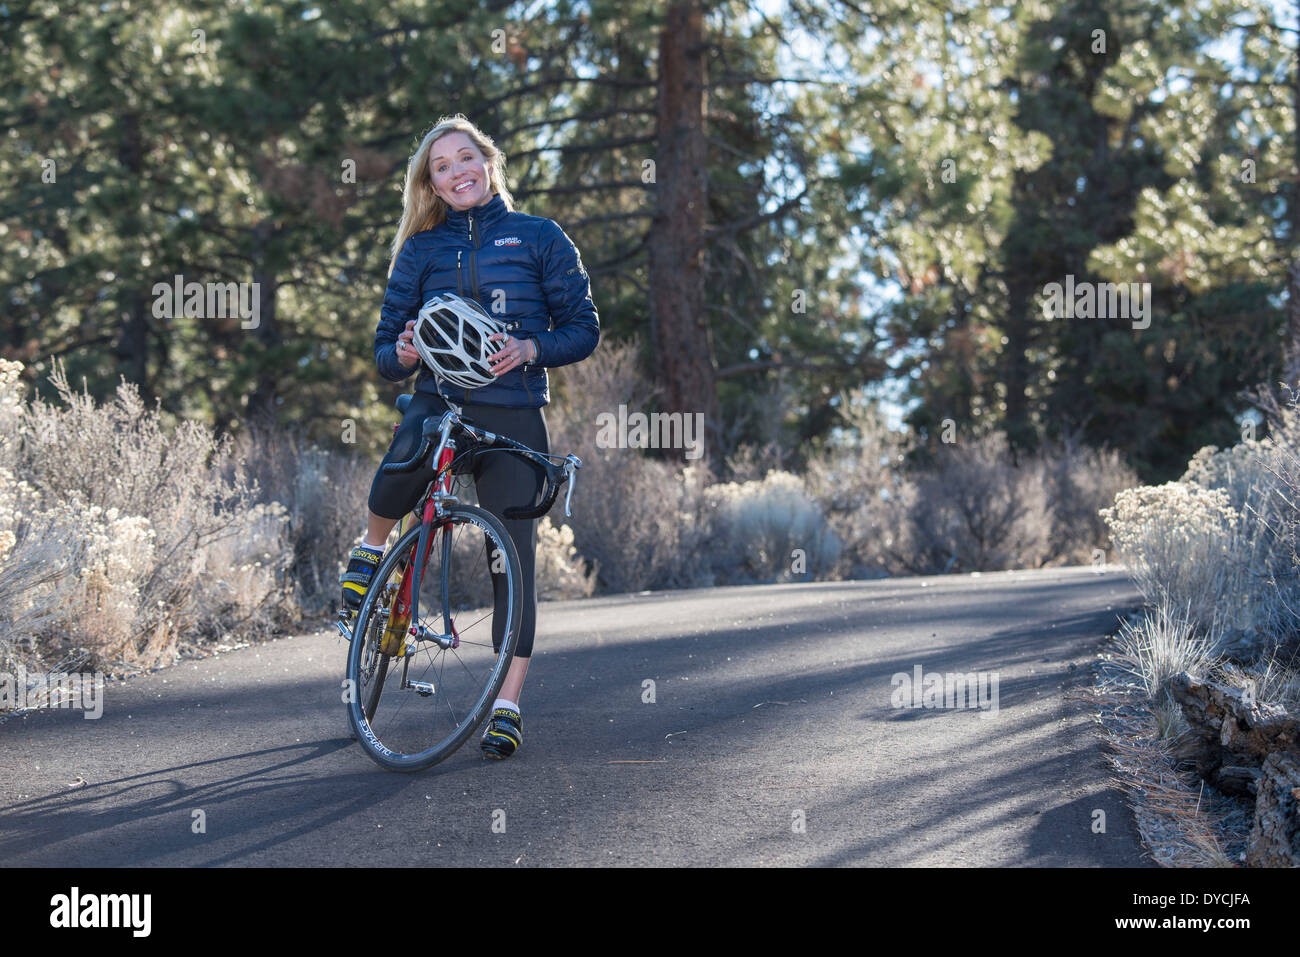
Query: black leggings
x=501 y=480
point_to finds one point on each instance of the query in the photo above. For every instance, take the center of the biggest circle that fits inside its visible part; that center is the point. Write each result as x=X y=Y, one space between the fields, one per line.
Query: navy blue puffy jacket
x=524 y=266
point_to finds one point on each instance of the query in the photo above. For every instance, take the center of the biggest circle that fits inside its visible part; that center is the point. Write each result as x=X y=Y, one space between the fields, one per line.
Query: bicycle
x=401 y=723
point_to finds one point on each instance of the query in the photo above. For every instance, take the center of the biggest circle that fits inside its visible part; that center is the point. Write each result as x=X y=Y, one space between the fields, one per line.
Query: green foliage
x=891 y=187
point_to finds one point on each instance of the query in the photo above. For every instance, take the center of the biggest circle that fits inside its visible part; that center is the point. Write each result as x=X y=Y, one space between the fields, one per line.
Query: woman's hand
x=515 y=352
x=406 y=354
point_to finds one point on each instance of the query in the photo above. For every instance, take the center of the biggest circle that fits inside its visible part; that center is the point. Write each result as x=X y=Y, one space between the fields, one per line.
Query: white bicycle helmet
x=451 y=336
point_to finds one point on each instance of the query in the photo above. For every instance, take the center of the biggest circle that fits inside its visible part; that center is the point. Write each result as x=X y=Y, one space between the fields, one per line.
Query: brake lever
x=571 y=465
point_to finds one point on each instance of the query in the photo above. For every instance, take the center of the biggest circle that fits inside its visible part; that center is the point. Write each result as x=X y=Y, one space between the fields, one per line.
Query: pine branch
x=587 y=147
x=749 y=222
x=611 y=184
x=579 y=117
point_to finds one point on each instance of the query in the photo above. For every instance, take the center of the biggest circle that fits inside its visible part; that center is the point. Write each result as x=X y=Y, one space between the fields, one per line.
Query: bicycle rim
x=413 y=706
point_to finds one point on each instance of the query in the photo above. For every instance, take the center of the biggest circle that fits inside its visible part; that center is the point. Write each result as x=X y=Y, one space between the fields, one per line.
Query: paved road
x=772 y=740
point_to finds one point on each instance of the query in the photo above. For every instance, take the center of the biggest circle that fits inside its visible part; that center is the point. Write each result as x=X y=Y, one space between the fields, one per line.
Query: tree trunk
x=679 y=332
x=1016 y=422
x=132 y=346
x=262 y=404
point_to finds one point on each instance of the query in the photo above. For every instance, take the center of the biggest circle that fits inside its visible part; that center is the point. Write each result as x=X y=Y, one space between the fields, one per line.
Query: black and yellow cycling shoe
x=356 y=579
x=504 y=733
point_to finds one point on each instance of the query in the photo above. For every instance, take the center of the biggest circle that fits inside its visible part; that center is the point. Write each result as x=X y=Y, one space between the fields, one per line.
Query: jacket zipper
x=473 y=259
x=473 y=268
x=460 y=291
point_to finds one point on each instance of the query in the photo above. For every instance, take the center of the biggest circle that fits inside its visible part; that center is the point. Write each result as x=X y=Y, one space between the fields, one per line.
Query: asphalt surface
x=773 y=739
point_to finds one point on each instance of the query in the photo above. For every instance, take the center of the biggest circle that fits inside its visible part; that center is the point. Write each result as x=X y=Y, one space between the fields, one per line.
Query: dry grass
x=1182 y=822
x=1160 y=645
x=1171 y=723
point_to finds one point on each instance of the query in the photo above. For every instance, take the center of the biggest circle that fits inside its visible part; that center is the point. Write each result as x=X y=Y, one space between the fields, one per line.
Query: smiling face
x=459 y=171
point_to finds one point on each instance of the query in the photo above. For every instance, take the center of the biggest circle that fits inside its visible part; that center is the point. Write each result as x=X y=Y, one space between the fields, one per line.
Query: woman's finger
x=507 y=361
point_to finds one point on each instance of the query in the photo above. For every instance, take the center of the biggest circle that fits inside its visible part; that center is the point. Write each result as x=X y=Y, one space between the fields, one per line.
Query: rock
x=1231 y=732
x=1275 y=836
x=1234 y=779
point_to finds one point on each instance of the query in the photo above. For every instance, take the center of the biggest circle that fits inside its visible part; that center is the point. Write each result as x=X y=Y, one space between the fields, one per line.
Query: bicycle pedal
x=345 y=622
x=423 y=688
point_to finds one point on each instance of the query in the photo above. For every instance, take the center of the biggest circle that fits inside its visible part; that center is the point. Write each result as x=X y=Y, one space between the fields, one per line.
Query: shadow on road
x=750 y=723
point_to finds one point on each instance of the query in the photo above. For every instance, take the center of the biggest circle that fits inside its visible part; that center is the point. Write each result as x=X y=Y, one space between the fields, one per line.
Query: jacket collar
x=484 y=215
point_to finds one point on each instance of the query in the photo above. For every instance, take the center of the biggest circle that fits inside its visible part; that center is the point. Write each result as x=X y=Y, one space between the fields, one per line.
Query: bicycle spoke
x=446 y=700
x=472 y=624
x=463 y=665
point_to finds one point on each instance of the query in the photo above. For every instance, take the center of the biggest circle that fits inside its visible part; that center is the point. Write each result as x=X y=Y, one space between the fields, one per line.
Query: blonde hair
x=422 y=207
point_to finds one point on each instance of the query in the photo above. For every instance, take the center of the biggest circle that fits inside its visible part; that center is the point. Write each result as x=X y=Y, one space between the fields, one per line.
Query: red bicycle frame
x=399 y=622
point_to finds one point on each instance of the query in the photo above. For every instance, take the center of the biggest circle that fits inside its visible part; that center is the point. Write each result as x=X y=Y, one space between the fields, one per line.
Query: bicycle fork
x=399 y=629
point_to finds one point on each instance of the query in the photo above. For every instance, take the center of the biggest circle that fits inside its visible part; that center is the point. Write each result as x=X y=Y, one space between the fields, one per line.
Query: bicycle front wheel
x=419 y=687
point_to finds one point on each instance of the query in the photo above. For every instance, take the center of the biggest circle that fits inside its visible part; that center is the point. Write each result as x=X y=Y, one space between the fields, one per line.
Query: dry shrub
x=974 y=510
x=155 y=530
x=1215 y=543
x=242 y=582
x=1178 y=541
x=751 y=462
x=1262 y=591
x=11 y=413
x=31 y=600
x=324 y=492
x=857 y=512
x=859 y=483
x=1242 y=472
x=1079 y=482
x=769 y=530
x=639 y=521
x=560 y=569
x=1275 y=507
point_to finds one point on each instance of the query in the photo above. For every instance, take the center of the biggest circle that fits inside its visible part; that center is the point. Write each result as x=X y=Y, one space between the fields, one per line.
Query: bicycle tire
x=391 y=743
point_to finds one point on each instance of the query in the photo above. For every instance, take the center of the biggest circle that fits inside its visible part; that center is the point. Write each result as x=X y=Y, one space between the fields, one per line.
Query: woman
x=459 y=233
